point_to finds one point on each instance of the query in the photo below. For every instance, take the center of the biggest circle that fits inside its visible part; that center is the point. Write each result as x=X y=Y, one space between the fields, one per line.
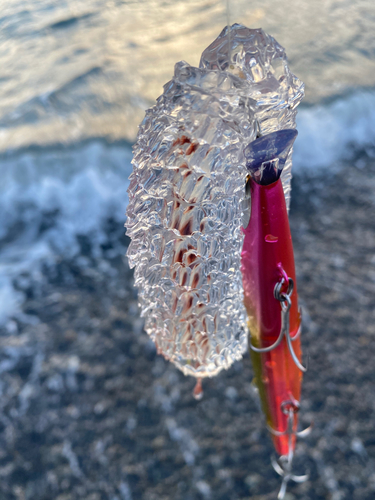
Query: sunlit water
x=77 y=76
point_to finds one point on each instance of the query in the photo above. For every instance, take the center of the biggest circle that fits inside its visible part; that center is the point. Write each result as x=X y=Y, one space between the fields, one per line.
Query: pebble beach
x=90 y=411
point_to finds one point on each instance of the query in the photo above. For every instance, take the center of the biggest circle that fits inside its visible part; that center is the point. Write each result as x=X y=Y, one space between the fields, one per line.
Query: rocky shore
x=89 y=411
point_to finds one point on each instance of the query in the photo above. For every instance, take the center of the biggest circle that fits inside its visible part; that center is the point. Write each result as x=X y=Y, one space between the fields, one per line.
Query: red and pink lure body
x=268 y=262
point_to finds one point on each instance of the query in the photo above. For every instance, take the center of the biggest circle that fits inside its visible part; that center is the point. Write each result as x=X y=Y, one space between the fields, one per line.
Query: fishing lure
x=188 y=203
x=270 y=296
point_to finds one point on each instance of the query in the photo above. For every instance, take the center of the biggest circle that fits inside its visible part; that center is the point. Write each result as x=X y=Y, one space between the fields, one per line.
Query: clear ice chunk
x=187 y=195
x=255 y=56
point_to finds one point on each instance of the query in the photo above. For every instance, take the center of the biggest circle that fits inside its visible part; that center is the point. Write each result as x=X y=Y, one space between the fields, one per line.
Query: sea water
x=77 y=76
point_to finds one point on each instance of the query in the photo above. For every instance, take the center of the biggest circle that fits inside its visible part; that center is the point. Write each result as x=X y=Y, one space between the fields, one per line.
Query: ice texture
x=187 y=196
x=253 y=55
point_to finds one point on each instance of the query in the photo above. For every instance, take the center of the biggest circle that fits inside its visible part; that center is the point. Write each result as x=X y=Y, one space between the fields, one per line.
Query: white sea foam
x=332 y=133
x=49 y=199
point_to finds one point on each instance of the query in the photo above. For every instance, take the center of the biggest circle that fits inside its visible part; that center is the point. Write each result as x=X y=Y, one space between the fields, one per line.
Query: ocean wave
x=334 y=132
x=58 y=203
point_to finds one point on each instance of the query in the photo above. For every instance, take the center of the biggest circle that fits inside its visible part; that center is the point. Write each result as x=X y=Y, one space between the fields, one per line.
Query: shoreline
x=90 y=411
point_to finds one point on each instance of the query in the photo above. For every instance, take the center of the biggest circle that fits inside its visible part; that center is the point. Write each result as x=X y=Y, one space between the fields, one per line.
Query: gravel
x=88 y=410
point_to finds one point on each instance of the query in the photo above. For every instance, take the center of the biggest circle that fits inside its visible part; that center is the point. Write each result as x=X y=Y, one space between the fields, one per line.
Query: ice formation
x=187 y=197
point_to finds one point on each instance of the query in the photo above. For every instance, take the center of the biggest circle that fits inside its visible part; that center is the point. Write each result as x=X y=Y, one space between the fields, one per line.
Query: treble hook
x=283 y=466
x=285 y=303
x=285 y=405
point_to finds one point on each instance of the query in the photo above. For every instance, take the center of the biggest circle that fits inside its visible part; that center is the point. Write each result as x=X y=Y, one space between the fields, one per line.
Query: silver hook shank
x=285 y=303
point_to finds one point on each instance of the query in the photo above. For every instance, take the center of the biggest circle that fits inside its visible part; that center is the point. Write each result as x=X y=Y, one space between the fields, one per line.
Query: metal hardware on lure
x=285 y=301
x=283 y=466
x=270 y=295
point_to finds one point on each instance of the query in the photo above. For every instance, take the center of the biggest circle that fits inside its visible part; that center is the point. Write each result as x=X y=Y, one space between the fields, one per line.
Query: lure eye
x=266 y=156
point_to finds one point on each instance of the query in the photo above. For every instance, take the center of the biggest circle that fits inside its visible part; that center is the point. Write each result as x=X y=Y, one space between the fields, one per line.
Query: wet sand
x=90 y=411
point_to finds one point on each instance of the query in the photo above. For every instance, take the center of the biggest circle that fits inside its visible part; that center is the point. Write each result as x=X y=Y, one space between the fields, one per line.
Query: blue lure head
x=266 y=156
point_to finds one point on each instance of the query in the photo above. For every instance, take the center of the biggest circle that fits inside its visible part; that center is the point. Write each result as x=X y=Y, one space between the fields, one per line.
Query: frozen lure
x=270 y=297
x=187 y=200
